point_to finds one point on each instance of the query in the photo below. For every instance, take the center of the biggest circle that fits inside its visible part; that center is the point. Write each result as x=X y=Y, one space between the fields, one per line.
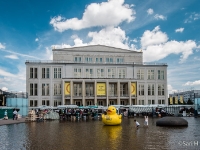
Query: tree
x=189 y=102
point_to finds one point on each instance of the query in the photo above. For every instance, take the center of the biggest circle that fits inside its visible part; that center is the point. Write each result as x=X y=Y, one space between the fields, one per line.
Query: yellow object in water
x=111 y=118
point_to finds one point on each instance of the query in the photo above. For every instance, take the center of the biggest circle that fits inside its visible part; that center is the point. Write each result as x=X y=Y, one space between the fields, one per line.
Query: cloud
x=160 y=17
x=2 y=46
x=14 y=82
x=193 y=17
x=12 y=56
x=109 y=36
x=4 y=89
x=150 y=11
x=5 y=73
x=36 y=39
x=192 y=83
x=171 y=89
x=19 y=54
x=179 y=30
x=153 y=37
x=110 y=13
x=156 y=46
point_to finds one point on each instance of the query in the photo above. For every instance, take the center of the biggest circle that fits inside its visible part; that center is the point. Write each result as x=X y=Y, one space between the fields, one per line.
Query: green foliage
x=189 y=102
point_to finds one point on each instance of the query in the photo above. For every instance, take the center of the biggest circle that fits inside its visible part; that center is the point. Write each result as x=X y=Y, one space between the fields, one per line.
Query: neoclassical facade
x=96 y=75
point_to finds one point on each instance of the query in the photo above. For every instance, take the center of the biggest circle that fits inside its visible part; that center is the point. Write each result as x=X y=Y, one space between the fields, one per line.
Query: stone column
x=83 y=92
x=71 y=92
x=118 y=92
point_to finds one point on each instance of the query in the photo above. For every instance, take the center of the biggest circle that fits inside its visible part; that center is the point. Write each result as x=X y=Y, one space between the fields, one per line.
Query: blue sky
x=166 y=30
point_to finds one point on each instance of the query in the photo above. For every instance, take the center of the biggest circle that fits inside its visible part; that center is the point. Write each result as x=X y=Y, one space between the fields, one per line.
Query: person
x=14 y=114
x=5 y=115
x=137 y=124
x=146 y=121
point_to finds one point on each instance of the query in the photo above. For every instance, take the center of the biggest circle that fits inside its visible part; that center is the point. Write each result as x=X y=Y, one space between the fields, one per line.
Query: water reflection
x=95 y=135
x=113 y=134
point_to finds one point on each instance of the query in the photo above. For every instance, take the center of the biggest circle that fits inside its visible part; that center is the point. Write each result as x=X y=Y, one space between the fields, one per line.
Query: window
x=150 y=74
x=88 y=59
x=100 y=103
x=57 y=72
x=160 y=74
x=77 y=89
x=122 y=102
x=33 y=89
x=57 y=102
x=99 y=60
x=45 y=102
x=78 y=103
x=57 y=89
x=77 y=59
x=111 y=73
x=120 y=60
x=89 y=103
x=151 y=102
x=33 y=72
x=33 y=103
x=77 y=72
x=45 y=89
x=45 y=72
x=150 y=89
x=123 y=89
x=89 y=89
x=161 y=89
x=140 y=74
x=112 y=89
x=161 y=101
x=141 y=102
x=100 y=73
x=141 y=89
x=112 y=102
x=121 y=73
x=109 y=60
x=89 y=73
x=36 y=89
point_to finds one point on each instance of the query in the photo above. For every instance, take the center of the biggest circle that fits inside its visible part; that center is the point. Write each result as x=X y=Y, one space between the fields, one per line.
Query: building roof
x=99 y=48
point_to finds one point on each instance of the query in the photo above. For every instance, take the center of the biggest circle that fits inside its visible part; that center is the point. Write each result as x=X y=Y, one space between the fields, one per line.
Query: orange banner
x=67 y=88
x=133 y=88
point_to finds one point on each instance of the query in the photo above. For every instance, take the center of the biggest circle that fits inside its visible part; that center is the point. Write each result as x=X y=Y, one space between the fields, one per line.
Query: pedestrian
x=136 y=124
x=14 y=114
x=146 y=121
x=5 y=115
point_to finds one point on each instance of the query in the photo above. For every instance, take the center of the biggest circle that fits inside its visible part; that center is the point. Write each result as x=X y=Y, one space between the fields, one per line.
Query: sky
x=167 y=31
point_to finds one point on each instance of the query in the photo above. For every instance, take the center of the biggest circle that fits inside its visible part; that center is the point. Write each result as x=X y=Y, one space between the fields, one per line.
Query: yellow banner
x=181 y=99
x=101 y=88
x=67 y=88
x=176 y=99
x=133 y=88
x=171 y=100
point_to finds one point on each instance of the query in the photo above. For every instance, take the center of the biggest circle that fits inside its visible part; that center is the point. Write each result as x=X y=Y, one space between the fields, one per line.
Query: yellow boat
x=111 y=118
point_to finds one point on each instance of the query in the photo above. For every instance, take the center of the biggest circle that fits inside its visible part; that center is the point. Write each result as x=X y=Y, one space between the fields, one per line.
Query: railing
x=83 y=62
x=16 y=94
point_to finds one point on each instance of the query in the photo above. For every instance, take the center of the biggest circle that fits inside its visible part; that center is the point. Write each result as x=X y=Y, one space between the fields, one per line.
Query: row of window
x=100 y=73
x=98 y=59
x=150 y=74
x=152 y=102
x=89 y=89
x=34 y=103
x=45 y=73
